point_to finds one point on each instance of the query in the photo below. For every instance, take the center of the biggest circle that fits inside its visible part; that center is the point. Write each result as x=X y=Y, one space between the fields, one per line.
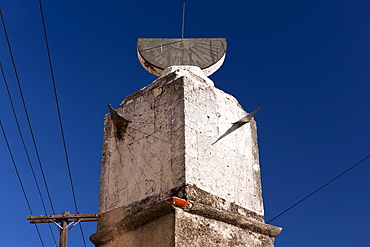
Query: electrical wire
x=59 y=115
x=319 y=189
x=25 y=148
x=20 y=181
x=26 y=111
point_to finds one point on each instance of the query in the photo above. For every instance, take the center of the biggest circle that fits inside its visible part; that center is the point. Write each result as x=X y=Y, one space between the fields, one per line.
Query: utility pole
x=66 y=220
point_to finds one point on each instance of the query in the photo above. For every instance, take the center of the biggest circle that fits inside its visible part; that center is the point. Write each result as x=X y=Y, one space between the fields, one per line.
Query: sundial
x=157 y=54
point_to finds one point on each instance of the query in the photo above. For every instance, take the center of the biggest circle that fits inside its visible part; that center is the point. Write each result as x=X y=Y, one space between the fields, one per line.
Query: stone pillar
x=178 y=173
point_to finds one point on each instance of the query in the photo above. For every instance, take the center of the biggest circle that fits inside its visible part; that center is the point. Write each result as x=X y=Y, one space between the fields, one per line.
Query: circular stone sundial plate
x=157 y=54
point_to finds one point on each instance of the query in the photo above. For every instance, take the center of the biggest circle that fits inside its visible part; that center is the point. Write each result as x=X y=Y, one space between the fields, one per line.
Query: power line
x=25 y=148
x=59 y=115
x=319 y=188
x=20 y=180
x=26 y=112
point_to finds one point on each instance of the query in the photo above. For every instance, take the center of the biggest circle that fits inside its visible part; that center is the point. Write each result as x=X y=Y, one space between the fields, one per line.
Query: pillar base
x=191 y=224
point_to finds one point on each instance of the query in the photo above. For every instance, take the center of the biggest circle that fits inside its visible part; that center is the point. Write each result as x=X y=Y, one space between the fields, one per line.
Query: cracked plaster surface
x=169 y=143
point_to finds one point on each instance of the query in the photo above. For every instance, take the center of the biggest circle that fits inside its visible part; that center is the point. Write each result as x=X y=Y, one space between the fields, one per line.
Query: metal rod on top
x=183 y=20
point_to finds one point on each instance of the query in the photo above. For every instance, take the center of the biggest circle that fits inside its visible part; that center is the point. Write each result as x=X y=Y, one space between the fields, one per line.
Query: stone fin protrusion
x=248 y=117
x=119 y=122
x=239 y=123
x=115 y=116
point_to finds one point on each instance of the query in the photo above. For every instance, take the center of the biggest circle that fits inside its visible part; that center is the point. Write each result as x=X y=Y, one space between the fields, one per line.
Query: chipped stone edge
x=234 y=219
x=195 y=194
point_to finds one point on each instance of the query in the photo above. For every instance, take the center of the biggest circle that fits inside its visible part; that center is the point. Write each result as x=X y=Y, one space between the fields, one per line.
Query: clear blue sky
x=306 y=62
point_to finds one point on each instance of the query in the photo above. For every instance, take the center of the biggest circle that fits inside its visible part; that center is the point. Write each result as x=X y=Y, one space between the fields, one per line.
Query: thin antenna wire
x=25 y=148
x=26 y=111
x=20 y=180
x=59 y=116
x=319 y=188
x=183 y=20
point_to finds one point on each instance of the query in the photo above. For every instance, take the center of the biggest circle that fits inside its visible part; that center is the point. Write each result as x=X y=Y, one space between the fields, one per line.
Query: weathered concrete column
x=179 y=142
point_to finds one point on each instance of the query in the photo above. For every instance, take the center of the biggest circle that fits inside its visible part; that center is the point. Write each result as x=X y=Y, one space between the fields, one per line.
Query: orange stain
x=178 y=202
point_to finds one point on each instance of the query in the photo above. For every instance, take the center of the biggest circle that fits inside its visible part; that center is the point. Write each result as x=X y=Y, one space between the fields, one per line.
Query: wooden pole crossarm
x=62 y=218
x=66 y=221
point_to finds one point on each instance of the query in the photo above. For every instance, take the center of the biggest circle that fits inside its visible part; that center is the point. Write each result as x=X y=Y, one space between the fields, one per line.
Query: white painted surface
x=169 y=143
